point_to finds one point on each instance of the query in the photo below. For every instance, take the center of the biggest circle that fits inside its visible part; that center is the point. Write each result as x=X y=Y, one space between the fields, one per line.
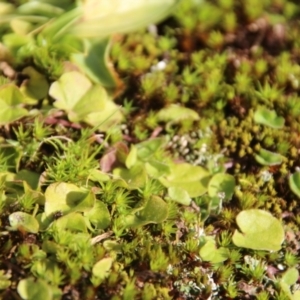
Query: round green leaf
x=179 y=195
x=102 y=267
x=290 y=276
x=99 y=215
x=209 y=252
x=23 y=221
x=258 y=230
x=32 y=289
x=193 y=179
x=154 y=211
x=221 y=184
x=135 y=177
x=102 y=18
x=65 y=197
x=36 y=87
x=268 y=158
x=73 y=221
x=268 y=117
x=294 y=183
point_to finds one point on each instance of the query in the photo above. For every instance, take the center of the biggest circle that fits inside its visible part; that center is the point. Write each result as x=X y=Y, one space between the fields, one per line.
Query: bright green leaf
x=69 y=89
x=23 y=221
x=290 y=276
x=156 y=168
x=193 y=179
x=268 y=158
x=135 y=177
x=94 y=62
x=175 y=114
x=102 y=267
x=148 y=148
x=11 y=95
x=34 y=289
x=179 y=195
x=268 y=117
x=221 y=183
x=102 y=18
x=72 y=221
x=65 y=197
x=258 y=230
x=36 y=87
x=209 y=252
x=154 y=211
x=294 y=183
x=132 y=157
x=99 y=215
x=30 y=177
x=10 y=102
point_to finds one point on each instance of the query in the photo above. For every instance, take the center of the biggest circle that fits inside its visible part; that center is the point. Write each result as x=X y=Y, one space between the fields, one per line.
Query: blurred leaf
x=290 y=276
x=94 y=62
x=34 y=289
x=32 y=178
x=72 y=221
x=23 y=221
x=36 y=87
x=99 y=215
x=102 y=18
x=175 y=114
x=102 y=267
x=221 y=183
x=156 y=168
x=75 y=94
x=268 y=117
x=259 y=230
x=193 y=179
x=10 y=102
x=268 y=158
x=69 y=89
x=135 y=176
x=154 y=211
x=66 y=197
x=210 y=252
x=294 y=183
x=132 y=157
x=179 y=195
x=148 y=148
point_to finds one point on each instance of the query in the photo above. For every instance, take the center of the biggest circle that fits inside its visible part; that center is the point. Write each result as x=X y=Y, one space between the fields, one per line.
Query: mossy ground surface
x=215 y=89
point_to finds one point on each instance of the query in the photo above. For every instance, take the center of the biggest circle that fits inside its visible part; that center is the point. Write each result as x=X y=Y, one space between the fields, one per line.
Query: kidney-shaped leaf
x=193 y=179
x=69 y=89
x=221 y=183
x=66 y=197
x=179 y=195
x=10 y=100
x=258 y=230
x=99 y=215
x=36 y=87
x=72 y=221
x=209 y=252
x=154 y=211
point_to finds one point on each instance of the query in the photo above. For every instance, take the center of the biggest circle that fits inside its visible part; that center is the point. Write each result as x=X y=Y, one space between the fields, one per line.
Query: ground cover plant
x=157 y=162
